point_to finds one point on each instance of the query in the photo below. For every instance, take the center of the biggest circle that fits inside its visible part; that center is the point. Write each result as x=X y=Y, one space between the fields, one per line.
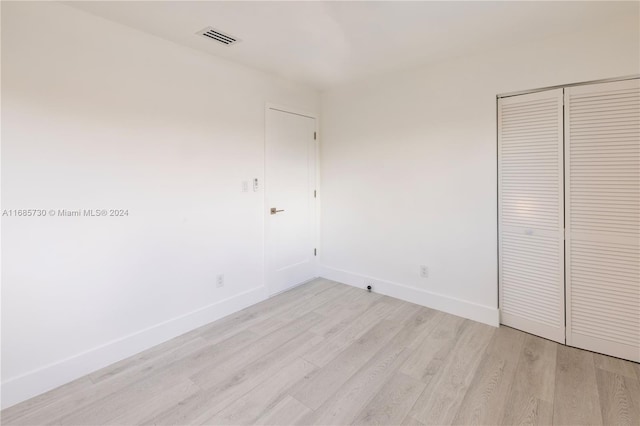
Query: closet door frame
x=537 y=328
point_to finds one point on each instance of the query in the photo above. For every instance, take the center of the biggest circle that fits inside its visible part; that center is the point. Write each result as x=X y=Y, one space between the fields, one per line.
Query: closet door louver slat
x=531 y=213
x=602 y=173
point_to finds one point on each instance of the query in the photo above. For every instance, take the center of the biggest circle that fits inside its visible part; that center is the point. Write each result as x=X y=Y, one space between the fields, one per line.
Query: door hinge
x=315 y=194
x=315 y=252
x=314 y=136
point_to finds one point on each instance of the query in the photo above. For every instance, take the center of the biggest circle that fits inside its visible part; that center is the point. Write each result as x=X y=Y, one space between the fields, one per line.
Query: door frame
x=265 y=207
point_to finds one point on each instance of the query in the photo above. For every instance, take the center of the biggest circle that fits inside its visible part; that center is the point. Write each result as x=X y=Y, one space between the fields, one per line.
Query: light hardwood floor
x=326 y=353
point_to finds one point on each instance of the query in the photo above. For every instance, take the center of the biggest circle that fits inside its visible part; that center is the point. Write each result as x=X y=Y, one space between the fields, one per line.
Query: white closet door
x=531 y=213
x=602 y=163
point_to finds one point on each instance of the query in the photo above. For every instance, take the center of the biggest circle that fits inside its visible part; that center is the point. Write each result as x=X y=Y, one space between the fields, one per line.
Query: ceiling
x=324 y=44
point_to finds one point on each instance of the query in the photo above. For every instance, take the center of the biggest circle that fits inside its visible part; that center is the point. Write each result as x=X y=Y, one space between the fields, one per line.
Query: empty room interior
x=320 y=212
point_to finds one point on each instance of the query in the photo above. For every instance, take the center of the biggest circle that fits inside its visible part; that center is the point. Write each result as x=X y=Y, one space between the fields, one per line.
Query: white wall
x=98 y=116
x=409 y=166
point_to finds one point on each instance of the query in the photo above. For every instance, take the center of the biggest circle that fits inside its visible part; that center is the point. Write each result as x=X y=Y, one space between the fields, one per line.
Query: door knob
x=274 y=211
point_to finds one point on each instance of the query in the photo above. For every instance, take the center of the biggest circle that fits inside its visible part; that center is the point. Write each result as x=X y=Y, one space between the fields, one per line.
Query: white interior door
x=290 y=154
x=602 y=164
x=531 y=214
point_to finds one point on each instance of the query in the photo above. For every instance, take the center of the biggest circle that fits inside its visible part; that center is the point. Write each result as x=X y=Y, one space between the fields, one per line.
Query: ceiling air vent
x=218 y=36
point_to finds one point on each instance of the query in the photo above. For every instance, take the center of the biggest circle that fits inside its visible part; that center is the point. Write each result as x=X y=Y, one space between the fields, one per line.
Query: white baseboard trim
x=462 y=308
x=38 y=381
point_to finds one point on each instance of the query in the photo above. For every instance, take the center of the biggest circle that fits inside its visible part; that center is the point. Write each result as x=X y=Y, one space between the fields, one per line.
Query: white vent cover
x=213 y=34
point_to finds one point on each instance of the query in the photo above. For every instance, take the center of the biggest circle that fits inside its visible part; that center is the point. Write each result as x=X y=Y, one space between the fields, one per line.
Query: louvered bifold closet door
x=531 y=213
x=602 y=162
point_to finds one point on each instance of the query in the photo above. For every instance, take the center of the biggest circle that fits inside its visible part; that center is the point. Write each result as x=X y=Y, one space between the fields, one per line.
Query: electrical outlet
x=245 y=186
x=220 y=280
x=424 y=271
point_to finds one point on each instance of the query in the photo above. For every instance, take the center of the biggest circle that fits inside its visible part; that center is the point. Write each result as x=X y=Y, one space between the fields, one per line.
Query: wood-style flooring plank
x=485 y=400
x=261 y=312
x=576 y=398
x=619 y=398
x=441 y=399
x=230 y=385
x=257 y=402
x=615 y=365
x=150 y=404
x=343 y=311
x=288 y=411
x=340 y=339
x=33 y=410
x=350 y=399
x=411 y=421
x=392 y=403
x=297 y=310
x=142 y=397
x=531 y=394
x=429 y=357
x=324 y=382
x=209 y=375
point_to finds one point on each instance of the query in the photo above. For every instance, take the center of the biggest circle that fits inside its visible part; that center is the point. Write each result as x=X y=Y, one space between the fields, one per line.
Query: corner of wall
x=462 y=308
